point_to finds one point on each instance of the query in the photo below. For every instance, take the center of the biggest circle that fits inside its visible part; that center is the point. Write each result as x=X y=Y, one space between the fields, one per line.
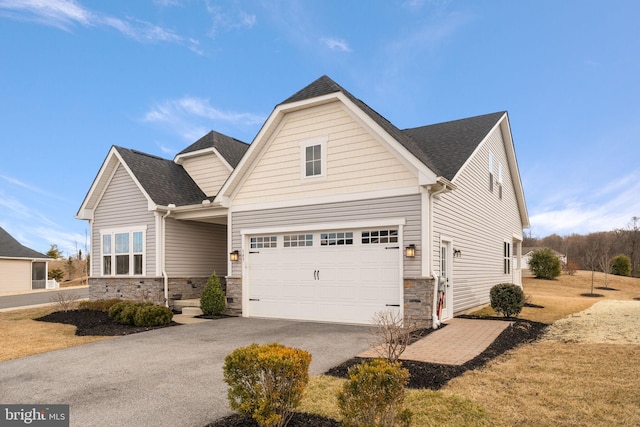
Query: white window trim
x=507 y=259
x=120 y=230
x=322 y=142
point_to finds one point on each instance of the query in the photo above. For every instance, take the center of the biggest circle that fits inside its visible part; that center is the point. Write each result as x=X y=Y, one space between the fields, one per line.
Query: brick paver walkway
x=458 y=342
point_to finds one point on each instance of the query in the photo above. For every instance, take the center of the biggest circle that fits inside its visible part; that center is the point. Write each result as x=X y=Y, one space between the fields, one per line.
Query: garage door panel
x=345 y=283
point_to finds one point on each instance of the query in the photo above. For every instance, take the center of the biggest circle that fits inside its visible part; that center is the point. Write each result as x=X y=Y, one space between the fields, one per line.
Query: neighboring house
x=528 y=251
x=21 y=268
x=331 y=214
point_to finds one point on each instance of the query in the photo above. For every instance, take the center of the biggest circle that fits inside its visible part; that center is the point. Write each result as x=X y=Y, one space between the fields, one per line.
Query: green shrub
x=621 y=265
x=507 y=299
x=545 y=264
x=103 y=305
x=213 y=299
x=124 y=312
x=267 y=381
x=374 y=395
x=152 y=315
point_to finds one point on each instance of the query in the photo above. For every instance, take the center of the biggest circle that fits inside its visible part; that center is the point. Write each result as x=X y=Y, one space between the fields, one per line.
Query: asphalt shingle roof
x=450 y=144
x=442 y=147
x=11 y=248
x=164 y=180
x=230 y=148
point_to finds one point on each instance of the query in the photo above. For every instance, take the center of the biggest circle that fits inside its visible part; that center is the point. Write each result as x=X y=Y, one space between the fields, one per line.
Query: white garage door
x=343 y=276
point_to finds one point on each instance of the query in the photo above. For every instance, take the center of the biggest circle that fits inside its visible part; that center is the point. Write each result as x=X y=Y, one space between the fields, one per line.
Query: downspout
x=164 y=249
x=434 y=315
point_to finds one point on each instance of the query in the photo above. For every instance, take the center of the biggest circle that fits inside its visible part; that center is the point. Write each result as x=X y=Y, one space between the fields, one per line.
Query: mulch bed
x=298 y=420
x=96 y=323
x=434 y=376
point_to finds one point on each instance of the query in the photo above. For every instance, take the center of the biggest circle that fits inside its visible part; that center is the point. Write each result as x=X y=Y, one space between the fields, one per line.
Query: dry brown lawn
x=547 y=383
x=23 y=336
x=562 y=383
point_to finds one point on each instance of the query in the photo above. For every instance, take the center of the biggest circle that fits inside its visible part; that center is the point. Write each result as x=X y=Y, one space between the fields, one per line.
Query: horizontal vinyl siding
x=353 y=157
x=15 y=275
x=407 y=207
x=195 y=248
x=478 y=223
x=208 y=171
x=123 y=205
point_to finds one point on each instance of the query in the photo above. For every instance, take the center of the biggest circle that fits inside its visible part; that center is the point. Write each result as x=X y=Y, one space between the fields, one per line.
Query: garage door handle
x=393 y=305
x=316 y=274
x=254 y=299
x=392 y=247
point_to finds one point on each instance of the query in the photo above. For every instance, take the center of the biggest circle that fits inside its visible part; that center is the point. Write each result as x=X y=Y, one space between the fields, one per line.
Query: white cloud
x=65 y=14
x=605 y=209
x=58 y=13
x=31 y=188
x=336 y=44
x=186 y=116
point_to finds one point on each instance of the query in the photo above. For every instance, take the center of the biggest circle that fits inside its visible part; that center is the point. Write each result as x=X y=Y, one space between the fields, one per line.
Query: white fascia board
x=400 y=151
x=180 y=158
x=427 y=176
x=334 y=198
x=384 y=222
x=99 y=184
x=515 y=171
x=262 y=139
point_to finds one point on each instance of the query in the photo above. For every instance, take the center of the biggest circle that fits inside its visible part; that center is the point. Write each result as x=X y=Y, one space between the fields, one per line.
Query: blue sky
x=79 y=76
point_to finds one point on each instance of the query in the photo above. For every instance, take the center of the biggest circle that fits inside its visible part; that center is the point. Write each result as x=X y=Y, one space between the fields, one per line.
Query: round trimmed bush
x=152 y=315
x=507 y=299
x=374 y=395
x=124 y=312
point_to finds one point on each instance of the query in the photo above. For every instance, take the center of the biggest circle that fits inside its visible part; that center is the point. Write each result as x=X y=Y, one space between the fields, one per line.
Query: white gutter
x=445 y=186
x=164 y=249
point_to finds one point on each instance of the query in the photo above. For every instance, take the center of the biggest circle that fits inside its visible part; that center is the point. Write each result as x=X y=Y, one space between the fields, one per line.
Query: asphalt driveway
x=165 y=377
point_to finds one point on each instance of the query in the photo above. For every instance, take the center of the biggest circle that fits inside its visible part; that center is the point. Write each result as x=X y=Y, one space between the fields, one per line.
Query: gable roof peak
x=324 y=85
x=230 y=148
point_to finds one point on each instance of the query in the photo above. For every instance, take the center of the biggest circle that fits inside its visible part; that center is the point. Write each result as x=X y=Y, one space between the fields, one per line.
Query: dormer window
x=314 y=158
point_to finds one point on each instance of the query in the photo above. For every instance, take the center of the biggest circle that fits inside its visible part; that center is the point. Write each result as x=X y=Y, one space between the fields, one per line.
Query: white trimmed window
x=500 y=181
x=123 y=252
x=507 y=257
x=314 y=158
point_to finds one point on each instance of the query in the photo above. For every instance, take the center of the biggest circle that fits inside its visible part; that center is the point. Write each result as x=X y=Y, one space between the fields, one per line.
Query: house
x=331 y=214
x=21 y=269
x=528 y=251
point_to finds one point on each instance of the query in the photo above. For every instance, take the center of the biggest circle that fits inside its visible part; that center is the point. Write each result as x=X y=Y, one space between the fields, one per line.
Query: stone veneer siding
x=147 y=288
x=418 y=298
x=234 y=295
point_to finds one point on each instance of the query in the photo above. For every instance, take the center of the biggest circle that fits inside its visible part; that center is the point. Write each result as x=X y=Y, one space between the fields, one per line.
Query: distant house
x=331 y=214
x=21 y=268
x=528 y=251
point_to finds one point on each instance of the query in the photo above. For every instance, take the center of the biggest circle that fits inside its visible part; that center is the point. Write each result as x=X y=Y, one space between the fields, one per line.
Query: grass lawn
x=23 y=336
x=540 y=384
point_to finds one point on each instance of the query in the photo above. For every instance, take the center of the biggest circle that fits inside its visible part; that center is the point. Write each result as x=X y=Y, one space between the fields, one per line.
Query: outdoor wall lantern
x=410 y=251
x=234 y=256
x=457 y=253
